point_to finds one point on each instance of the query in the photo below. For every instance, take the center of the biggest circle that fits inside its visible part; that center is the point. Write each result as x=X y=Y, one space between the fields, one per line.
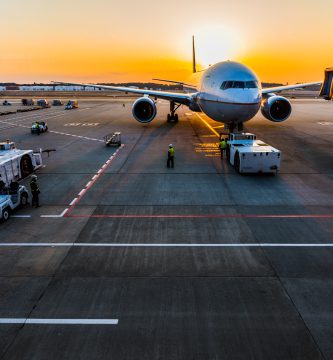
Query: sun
x=215 y=43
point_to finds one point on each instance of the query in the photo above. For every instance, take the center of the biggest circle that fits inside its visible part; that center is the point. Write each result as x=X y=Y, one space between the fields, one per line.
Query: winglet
x=193 y=56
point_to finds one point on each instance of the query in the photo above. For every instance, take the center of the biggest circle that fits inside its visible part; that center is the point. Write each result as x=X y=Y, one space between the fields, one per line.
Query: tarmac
x=127 y=259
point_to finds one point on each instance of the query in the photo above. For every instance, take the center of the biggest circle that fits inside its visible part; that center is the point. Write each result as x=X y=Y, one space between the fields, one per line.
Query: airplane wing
x=180 y=98
x=288 y=87
x=174 y=82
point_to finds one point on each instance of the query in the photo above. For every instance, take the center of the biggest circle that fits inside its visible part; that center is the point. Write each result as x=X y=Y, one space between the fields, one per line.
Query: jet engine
x=144 y=110
x=276 y=108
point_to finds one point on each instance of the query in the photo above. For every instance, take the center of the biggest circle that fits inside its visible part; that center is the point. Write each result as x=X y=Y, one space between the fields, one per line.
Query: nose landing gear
x=238 y=126
x=173 y=117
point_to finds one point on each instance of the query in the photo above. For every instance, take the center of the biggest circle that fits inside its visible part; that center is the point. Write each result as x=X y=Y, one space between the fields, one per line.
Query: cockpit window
x=239 y=85
x=251 y=85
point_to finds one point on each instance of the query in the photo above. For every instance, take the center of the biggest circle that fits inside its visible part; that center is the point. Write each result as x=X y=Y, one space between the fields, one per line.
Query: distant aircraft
x=227 y=92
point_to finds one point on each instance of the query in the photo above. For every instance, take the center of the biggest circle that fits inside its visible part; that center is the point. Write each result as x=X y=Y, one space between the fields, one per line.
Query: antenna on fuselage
x=193 y=56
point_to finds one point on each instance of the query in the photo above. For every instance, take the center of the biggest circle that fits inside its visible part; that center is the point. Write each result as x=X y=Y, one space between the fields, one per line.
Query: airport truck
x=17 y=164
x=249 y=155
x=12 y=198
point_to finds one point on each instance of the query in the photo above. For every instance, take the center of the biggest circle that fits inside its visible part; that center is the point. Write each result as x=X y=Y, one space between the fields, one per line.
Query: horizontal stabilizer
x=327 y=87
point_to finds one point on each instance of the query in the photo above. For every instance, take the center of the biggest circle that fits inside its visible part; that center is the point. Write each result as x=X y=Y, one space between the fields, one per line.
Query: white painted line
x=104 y=245
x=21 y=216
x=72 y=202
x=82 y=191
x=55 y=216
x=50 y=216
x=64 y=212
x=59 y=321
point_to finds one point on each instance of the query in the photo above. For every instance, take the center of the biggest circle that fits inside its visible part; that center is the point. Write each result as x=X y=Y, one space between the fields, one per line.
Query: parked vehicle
x=71 y=104
x=57 y=103
x=39 y=127
x=16 y=164
x=43 y=103
x=12 y=198
x=28 y=102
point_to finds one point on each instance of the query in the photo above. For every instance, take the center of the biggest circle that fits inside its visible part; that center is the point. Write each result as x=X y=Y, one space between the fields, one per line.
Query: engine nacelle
x=144 y=110
x=276 y=108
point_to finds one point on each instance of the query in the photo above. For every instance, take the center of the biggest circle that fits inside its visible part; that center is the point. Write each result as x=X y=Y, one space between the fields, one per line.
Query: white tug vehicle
x=249 y=155
x=14 y=165
x=17 y=164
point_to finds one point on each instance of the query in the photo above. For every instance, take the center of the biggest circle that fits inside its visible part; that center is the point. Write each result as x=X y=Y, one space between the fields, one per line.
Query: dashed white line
x=73 y=202
x=82 y=191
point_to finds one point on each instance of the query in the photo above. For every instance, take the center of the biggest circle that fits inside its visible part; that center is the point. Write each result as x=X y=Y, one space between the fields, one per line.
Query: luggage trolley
x=113 y=139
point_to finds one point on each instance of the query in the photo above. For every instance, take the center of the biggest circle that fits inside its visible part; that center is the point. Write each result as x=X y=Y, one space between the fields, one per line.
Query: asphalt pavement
x=127 y=259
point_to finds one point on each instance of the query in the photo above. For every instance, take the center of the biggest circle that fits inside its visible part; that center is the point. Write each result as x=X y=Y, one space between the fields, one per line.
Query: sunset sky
x=128 y=40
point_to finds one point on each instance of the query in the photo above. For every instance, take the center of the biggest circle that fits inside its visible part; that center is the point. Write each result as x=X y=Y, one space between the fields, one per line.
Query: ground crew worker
x=34 y=191
x=223 y=146
x=171 y=156
x=37 y=127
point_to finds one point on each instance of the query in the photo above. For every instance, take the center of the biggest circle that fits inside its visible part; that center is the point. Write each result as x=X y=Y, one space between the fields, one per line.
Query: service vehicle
x=57 y=102
x=249 y=155
x=17 y=164
x=71 y=104
x=6 y=103
x=43 y=103
x=39 y=127
x=12 y=198
x=113 y=139
x=28 y=102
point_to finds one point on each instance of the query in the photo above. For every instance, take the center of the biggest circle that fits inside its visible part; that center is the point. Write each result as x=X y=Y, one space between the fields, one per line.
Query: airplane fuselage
x=229 y=92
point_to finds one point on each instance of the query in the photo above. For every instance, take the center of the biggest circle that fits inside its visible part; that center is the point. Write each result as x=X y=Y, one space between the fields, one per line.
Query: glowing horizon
x=104 y=42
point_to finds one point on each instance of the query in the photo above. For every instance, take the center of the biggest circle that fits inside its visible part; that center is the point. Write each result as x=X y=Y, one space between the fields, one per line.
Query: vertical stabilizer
x=193 y=56
x=327 y=87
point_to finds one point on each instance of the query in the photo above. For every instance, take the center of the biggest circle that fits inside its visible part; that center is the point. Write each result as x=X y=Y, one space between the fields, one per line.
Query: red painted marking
x=211 y=216
x=99 y=173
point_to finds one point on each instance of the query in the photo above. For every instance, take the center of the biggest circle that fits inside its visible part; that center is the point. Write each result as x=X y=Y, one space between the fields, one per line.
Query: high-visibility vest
x=172 y=152
x=223 y=144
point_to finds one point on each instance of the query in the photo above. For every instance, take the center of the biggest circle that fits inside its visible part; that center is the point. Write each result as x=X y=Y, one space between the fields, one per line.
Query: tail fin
x=327 y=87
x=193 y=56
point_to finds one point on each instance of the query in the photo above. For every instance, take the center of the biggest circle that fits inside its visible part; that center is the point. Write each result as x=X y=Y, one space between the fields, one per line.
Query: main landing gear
x=173 y=117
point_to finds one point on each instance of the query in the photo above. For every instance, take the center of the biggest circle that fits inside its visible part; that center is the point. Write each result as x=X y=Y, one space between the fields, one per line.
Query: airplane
x=227 y=92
